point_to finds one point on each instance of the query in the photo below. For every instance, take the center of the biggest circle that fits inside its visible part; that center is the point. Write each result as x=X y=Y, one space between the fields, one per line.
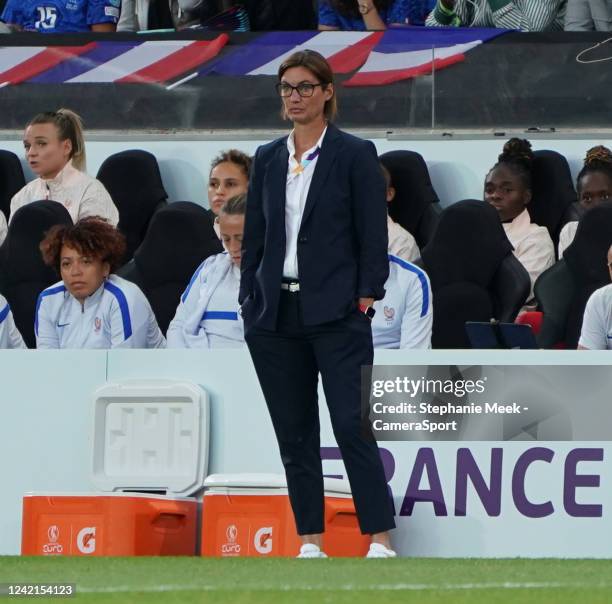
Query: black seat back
x=554 y=291
x=416 y=205
x=11 y=180
x=553 y=192
x=510 y=287
x=134 y=182
x=470 y=266
x=564 y=289
x=180 y=237
x=23 y=275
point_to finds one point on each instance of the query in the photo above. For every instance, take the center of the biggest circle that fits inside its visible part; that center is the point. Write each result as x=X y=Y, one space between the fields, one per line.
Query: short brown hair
x=91 y=236
x=320 y=68
x=233 y=156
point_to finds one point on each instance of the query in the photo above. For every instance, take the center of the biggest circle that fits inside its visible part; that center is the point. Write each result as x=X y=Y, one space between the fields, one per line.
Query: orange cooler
x=250 y=515
x=113 y=524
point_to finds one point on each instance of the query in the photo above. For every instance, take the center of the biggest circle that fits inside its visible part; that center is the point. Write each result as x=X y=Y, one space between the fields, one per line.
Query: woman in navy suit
x=314 y=260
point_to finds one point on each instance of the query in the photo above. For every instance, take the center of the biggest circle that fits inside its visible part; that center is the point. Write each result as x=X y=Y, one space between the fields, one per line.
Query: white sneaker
x=310 y=550
x=378 y=550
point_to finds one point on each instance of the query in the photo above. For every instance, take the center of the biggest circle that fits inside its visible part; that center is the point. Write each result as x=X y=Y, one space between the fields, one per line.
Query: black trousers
x=288 y=362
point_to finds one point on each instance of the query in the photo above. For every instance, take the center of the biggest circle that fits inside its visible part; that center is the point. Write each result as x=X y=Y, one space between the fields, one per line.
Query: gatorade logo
x=263 y=540
x=86 y=540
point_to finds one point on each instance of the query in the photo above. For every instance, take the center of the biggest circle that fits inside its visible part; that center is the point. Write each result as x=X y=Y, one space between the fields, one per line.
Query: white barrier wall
x=46 y=431
x=457 y=167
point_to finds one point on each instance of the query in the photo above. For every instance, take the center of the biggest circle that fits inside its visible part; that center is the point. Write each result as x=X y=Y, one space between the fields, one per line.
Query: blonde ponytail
x=69 y=127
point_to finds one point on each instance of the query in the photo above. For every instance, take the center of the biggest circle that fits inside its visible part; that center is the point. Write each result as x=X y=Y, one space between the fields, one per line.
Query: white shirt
x=596 y=331
x=401 y=243
x=207 y=315
x=296 y=193
x=116 y=315
x=566 y=236
x=404 y=317
x=9 y=334
x=532 y=246
x=3 y=228
x=80 y=194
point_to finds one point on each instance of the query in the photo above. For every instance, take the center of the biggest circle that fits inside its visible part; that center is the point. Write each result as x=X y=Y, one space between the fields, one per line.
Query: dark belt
x=290 y=285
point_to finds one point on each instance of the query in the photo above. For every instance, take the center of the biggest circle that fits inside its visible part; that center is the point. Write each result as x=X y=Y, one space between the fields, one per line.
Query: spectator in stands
x=359 y=15
x=269 y=15
x=55 y=150
x=404 y=317
x=91 y=307
x=401 y=243
x=62 y=17
x=526 y=15
x=594 y=185
x=9 y=334
x=508 y=190
x=228 y=177
x=596 y=331
x=207 y=315
x=140 y=15
x=588 y=15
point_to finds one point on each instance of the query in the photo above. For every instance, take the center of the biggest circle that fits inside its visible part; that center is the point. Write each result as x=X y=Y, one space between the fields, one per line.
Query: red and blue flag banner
x=401 y=54
x=345 y=51
x=20 y=63
x=145 y=62
x=379 y=57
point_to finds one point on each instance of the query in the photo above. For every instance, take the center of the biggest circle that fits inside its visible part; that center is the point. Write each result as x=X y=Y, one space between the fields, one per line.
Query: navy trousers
x=288 y=362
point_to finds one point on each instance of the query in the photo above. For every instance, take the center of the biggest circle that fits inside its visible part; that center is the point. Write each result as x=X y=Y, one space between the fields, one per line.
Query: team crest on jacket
x=389 y=313
x=97 y=324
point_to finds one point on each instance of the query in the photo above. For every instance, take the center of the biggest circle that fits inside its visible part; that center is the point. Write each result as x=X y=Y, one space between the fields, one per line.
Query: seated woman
x=596 y=333
x=9 y=334
x=594 y=185
x=360 y=15
x=90 y=307
x=55 y=150
x=229 y=177
x=404 y=317
x=508 y=190
x=207 y=315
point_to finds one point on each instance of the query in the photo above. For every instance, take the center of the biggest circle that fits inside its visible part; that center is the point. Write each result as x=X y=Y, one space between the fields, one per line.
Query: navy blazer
x=342 y=240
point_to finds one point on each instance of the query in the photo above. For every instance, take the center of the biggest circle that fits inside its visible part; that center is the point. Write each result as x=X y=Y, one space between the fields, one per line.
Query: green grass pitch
x=343 y=581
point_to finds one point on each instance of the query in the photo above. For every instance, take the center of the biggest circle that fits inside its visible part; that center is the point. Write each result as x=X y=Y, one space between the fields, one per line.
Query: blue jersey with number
x=60 y=16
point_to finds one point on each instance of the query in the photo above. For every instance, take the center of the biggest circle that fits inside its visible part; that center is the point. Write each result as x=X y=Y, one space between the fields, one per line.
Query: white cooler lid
x=268 y=481
x=151 y=435
x=82 y=494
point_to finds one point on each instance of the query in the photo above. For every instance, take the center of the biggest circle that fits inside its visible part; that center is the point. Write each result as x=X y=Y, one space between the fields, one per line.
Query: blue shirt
x=413 y=12
x=60 y=16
